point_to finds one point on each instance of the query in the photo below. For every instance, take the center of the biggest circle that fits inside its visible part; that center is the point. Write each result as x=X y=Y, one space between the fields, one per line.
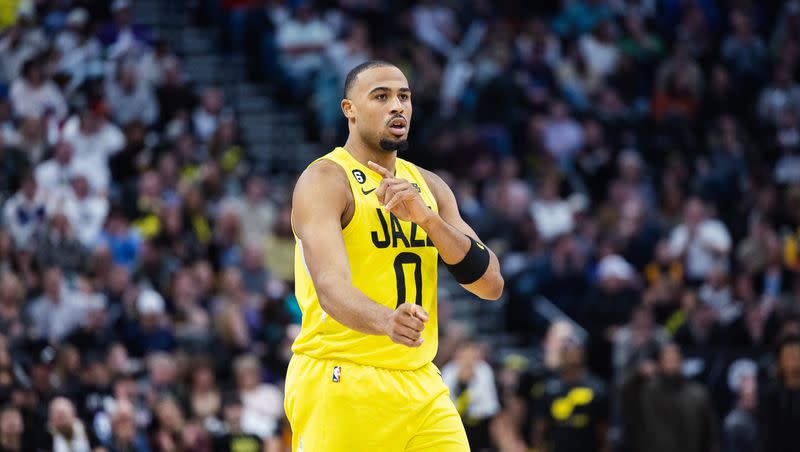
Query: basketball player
x=370 y=228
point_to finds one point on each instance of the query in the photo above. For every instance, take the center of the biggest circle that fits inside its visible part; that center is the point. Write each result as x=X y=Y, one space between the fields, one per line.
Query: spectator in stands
x=125 y=435
x=302 y=40
x=148 y=332
x=124 y=37
x=130 y=99
x=53 y=175
x=58 y=311
x=12 y=296
x=204 y=400
x=68 y=433
x=262 y=401
x=235 y=439
x=81 y=53
x=57 y=244
x=33 y=95
x=573 y=414
x=206 y=116
x=95 y=140
x=782 y=93
x=779 y=417
x=256 y=211
x=665 y=412
x=11 y=429
x=23 y=41
x=701 y=241
x=25 y=213
x=472 y=387
x=741 y=425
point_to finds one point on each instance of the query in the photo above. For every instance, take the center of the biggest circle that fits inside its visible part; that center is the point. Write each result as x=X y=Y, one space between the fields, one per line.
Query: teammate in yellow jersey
x=370 y=228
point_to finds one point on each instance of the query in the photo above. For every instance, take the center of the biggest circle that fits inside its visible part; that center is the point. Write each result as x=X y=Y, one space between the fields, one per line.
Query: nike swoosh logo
x=366 y=192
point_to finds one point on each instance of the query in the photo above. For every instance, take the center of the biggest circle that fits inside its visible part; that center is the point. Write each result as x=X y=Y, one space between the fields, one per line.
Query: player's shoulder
x=322 y=180
x=323 y=173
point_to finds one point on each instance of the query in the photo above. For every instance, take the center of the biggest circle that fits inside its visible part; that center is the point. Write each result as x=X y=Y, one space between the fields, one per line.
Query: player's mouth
x=398 y=126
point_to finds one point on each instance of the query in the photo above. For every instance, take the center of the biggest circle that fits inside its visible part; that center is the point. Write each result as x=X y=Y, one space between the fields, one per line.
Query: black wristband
x=473 y=266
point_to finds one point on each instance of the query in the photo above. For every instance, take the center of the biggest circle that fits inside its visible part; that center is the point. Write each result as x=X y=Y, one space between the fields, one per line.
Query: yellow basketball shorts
x=338 y=406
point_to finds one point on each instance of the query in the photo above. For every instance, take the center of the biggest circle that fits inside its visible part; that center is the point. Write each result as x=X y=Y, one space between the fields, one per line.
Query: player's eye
x=381 y=97
x=404 y=97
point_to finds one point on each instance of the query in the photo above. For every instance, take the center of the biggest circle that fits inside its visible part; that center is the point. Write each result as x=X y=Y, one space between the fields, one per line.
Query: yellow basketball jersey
x=391 y=261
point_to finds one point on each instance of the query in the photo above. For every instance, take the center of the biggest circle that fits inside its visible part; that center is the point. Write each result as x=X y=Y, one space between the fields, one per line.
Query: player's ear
x=348 y=109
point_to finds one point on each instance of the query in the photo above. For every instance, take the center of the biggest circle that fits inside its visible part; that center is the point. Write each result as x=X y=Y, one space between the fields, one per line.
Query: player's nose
x=397 y=105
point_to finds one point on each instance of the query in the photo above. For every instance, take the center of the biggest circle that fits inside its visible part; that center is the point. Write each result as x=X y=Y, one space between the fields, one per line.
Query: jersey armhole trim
x=346 y=228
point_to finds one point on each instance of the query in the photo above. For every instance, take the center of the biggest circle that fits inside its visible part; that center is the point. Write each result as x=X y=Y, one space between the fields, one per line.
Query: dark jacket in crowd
x=668 y=414
x=780 y=419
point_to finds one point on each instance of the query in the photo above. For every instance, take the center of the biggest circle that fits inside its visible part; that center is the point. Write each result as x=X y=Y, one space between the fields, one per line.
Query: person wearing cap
x=609 y=307
x=740 y=428
x=122 y=36
x=147 y=332
x=80 y=50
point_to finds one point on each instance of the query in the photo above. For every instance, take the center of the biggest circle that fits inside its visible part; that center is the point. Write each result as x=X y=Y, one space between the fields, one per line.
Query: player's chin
x=390 y=144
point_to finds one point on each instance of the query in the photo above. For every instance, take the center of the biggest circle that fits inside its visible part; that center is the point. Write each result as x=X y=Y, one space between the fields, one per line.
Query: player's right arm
x=321 y=198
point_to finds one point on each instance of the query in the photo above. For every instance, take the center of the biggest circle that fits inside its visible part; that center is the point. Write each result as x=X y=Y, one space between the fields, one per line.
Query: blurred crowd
x=634 y=163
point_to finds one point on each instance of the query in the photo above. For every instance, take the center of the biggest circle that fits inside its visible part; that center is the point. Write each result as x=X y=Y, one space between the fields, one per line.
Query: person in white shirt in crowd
x=69 y=433
x=25 y=212
x=437 y=26
x=718 y=294
x=58 y=311
x=599 y=49
x=701 y=241
x=21 y=42
x=206 y=116
x=263 y=407
x=124 y=37
x=95 y=140
x=87 y=211
x=302 y=41
x=33 y=95
x=472 y=387
x=782 y=93
x=53 y=174
x=561 y=133
x=152 y=66
x=80 y=50
x=552 y=215
x=256 y=211
x=129 y=99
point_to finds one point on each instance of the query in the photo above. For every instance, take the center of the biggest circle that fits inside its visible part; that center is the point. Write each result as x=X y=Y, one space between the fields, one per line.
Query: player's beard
x=393 y=145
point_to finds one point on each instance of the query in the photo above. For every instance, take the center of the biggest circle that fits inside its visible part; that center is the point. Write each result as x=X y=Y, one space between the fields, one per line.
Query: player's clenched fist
x=406 y=323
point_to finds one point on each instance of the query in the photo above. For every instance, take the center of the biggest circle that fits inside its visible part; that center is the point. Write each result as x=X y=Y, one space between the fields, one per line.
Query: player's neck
x=364 y=154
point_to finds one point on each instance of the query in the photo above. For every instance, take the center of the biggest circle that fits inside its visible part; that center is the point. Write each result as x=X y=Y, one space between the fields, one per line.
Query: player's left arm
x=473 y=264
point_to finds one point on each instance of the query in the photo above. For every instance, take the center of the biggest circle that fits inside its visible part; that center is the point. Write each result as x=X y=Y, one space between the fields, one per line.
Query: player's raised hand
x=405 y=324
x=399 y=197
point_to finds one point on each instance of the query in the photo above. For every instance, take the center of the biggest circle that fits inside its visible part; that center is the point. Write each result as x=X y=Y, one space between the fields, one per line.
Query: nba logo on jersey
x=337 y=373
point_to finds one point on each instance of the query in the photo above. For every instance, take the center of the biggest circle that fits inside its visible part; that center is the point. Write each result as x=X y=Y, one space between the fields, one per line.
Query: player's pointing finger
x=379 y=169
